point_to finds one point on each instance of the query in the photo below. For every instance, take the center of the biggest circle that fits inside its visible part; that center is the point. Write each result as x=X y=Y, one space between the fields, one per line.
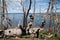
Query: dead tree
x=34 y=7
x=2 y=16
x=50 y=7
x=26 y=13
x=48 y=12
x=4 y=8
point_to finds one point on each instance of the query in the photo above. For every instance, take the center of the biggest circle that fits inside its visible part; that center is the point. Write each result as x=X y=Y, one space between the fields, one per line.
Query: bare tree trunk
x=3 y=2
x=24 y=21
x=51 y=16
x=26 y=15
x=50 y=25
x=2 y=16
x=51 y=3
x=34 y=7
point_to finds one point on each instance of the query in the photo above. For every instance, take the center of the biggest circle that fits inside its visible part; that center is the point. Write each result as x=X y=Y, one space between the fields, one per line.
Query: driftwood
x=13 y=32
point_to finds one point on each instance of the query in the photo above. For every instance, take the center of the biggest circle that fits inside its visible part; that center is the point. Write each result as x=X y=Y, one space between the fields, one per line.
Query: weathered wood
x=25 y=13
x=2 y=16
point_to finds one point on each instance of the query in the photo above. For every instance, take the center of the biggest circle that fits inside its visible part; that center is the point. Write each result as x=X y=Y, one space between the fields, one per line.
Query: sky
x=14 y=6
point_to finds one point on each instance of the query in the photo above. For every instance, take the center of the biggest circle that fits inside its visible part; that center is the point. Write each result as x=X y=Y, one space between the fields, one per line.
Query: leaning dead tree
x=4 y=18
x=50 y=7
x=9 y=21
x=57 y=22
x=26 y=13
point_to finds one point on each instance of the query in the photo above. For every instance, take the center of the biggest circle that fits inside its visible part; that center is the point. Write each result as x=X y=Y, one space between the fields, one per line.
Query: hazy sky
x=14 y=6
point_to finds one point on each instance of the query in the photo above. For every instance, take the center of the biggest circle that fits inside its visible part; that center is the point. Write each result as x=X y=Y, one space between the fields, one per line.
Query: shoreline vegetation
x=44 y=35
x=26 y=26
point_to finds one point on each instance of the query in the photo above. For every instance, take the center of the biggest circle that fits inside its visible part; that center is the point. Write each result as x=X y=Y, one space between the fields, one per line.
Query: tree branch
x=29 y=7
x=23 y=7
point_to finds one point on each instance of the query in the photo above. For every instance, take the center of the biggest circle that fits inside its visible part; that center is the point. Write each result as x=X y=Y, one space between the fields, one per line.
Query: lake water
x=18 y=17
